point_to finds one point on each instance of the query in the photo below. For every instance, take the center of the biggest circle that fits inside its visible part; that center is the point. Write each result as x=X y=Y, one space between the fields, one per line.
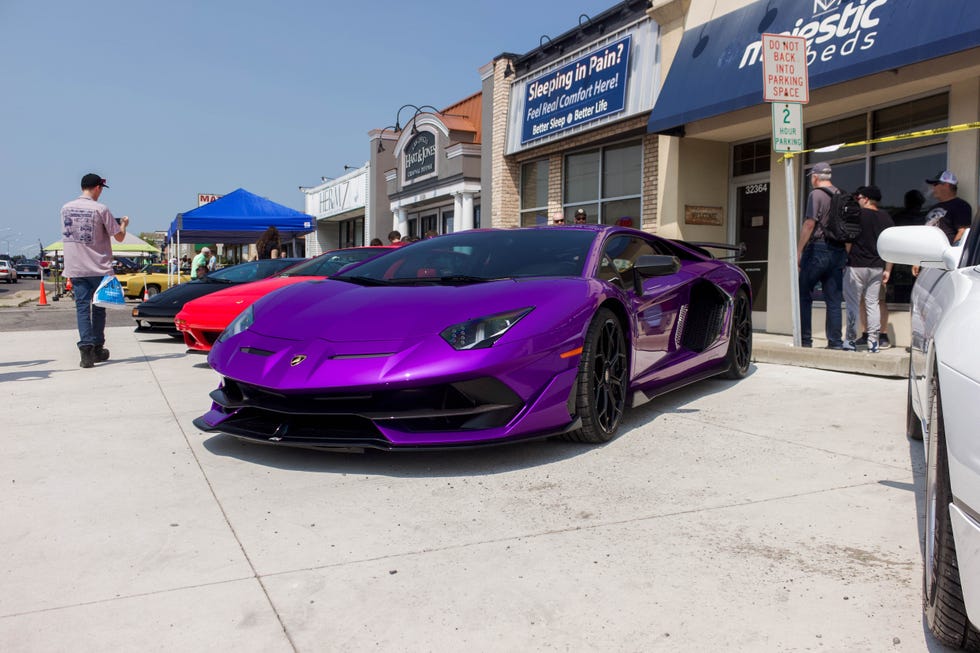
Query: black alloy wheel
x=603 y=380
x=740 y=342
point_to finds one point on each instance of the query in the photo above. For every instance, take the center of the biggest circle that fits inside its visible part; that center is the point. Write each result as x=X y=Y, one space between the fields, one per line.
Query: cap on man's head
x=92 y=180
x=873 y=193
x=944 y=177
x=206 y=249
x=581 y=212
x=822 y=168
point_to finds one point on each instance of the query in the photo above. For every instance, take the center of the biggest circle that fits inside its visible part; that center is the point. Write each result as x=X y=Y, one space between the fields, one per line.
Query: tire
x=603 y=380
x=739 y=354
x=913 y=425
x=152 y=290
x=942 y=592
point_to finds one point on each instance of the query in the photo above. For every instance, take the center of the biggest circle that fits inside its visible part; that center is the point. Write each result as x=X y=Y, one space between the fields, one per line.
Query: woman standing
x=269 y=245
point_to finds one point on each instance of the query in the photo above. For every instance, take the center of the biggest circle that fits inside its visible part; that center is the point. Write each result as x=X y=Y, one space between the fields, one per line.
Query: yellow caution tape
x=967 y=126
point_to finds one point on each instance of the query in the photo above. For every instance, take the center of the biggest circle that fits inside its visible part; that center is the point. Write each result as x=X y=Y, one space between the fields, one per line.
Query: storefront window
x=428 y=223
x=899 y=168
x=606 y=183
x=848 y=130
x=534 y=194
x=751 y=158
x=918 y=115
x=621 y=170
x=447 y=222
x=582 y=177
x=351 y=233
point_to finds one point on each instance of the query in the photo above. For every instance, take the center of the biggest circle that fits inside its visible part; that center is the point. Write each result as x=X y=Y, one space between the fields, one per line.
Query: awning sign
x=586 y=89
x=784 y=69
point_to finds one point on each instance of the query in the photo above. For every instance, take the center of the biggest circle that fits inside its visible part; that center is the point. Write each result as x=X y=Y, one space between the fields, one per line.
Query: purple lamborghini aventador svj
x=478 y=337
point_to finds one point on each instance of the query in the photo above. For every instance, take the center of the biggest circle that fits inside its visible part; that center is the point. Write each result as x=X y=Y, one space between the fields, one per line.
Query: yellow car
x=153 y=277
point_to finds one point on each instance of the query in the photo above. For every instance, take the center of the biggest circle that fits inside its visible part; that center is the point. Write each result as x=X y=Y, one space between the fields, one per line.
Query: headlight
x=238 y=325
x=482 y=332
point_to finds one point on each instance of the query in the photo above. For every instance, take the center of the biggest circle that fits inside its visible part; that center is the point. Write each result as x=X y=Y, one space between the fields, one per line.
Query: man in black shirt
x=951 y=214
x=866 y=271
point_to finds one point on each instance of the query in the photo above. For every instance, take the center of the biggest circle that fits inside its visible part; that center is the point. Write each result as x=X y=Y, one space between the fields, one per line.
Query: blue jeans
x=91 y=319
x=823 y=263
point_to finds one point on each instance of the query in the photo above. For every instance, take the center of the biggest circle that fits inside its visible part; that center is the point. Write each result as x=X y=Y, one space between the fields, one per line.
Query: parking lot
x=779 y=513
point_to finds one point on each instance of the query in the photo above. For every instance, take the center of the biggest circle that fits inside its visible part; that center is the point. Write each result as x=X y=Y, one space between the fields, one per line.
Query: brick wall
x=505 y=211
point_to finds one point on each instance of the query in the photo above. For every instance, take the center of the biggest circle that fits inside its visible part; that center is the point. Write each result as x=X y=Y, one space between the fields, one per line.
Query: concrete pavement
x=779 y=513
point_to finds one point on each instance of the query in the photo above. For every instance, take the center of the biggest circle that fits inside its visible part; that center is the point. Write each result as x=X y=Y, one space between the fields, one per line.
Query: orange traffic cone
x=146 y=294
x=67 y=285
x=43 y=299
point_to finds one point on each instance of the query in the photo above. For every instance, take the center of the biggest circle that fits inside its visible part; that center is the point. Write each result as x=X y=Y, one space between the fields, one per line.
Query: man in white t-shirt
x=86 y=227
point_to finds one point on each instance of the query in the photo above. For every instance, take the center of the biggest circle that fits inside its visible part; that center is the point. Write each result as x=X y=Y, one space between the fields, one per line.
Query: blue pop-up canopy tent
x=238 y=218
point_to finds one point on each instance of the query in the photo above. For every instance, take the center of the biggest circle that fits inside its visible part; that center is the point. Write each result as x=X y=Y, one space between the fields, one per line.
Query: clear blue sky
x=171 y=99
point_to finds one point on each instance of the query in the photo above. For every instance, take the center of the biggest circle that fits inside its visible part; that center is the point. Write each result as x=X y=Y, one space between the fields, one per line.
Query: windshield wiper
x=452 y=278
x=362 y=281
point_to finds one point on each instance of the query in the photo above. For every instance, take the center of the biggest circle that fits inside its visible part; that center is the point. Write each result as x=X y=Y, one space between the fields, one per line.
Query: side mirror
x=927 y=247
x=653 y=265
x=657 y=265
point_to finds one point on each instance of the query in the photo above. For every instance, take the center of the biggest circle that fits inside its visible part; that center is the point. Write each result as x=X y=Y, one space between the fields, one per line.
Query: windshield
x=473 y=256
x=331 y=263
x=252 y=271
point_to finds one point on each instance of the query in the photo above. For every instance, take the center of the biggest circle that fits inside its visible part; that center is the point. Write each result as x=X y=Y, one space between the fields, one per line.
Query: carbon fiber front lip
x=354 y=444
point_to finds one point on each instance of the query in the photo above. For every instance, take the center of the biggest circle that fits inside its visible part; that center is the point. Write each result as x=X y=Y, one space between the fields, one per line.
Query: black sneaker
x=883 y=341
x=101 y=354
x=862 y=342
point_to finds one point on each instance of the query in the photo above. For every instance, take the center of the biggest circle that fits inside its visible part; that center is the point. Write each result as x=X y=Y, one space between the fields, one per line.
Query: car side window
x=619 y=258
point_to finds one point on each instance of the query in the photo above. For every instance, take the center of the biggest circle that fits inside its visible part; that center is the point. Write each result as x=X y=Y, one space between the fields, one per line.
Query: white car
x=7 y=271
x=944 y=404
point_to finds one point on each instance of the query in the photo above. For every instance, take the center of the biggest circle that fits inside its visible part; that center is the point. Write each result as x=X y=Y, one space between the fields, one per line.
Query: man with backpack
x=821 y=259
x=866 y=271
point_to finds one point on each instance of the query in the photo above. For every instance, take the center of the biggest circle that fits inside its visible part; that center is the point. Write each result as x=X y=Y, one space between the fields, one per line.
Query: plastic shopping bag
x=109 y=293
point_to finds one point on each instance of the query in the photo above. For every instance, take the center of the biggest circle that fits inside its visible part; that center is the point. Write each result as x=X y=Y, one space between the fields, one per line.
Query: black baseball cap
x=871 y=192
x=92 y=180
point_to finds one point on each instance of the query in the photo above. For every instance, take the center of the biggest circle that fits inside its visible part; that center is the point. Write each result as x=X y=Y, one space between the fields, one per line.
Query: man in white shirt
x=86 y=227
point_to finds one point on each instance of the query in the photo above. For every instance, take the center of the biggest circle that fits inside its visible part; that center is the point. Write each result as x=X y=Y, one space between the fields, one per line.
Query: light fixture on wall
x=381 y=144
x=599 y=27
x=398 y=125
x=509 y=70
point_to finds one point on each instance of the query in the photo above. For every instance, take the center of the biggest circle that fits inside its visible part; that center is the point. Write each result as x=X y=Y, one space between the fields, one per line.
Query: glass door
x=752 y=229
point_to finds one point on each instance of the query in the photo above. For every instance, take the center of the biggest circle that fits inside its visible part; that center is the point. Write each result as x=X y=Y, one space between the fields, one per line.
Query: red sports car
x=202 y=320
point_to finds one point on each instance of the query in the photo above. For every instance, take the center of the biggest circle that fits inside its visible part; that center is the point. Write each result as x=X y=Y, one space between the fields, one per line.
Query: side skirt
x=641 y=397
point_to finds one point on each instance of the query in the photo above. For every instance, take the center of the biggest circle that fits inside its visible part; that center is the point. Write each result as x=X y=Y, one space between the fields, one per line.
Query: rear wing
x=738 y=250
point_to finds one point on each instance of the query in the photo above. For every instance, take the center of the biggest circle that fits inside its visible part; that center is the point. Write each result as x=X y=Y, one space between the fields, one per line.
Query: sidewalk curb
x=779 y=349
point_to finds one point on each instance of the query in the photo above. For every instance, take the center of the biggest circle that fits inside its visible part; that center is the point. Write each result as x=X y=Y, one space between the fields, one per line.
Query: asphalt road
x=58 y=314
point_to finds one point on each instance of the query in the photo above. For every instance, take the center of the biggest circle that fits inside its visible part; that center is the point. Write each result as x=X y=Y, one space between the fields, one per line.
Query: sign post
x=786 y=84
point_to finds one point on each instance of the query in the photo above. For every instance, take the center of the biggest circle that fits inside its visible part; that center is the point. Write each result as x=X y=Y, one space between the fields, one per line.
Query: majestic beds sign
x=420 y=155
x=583 y=90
